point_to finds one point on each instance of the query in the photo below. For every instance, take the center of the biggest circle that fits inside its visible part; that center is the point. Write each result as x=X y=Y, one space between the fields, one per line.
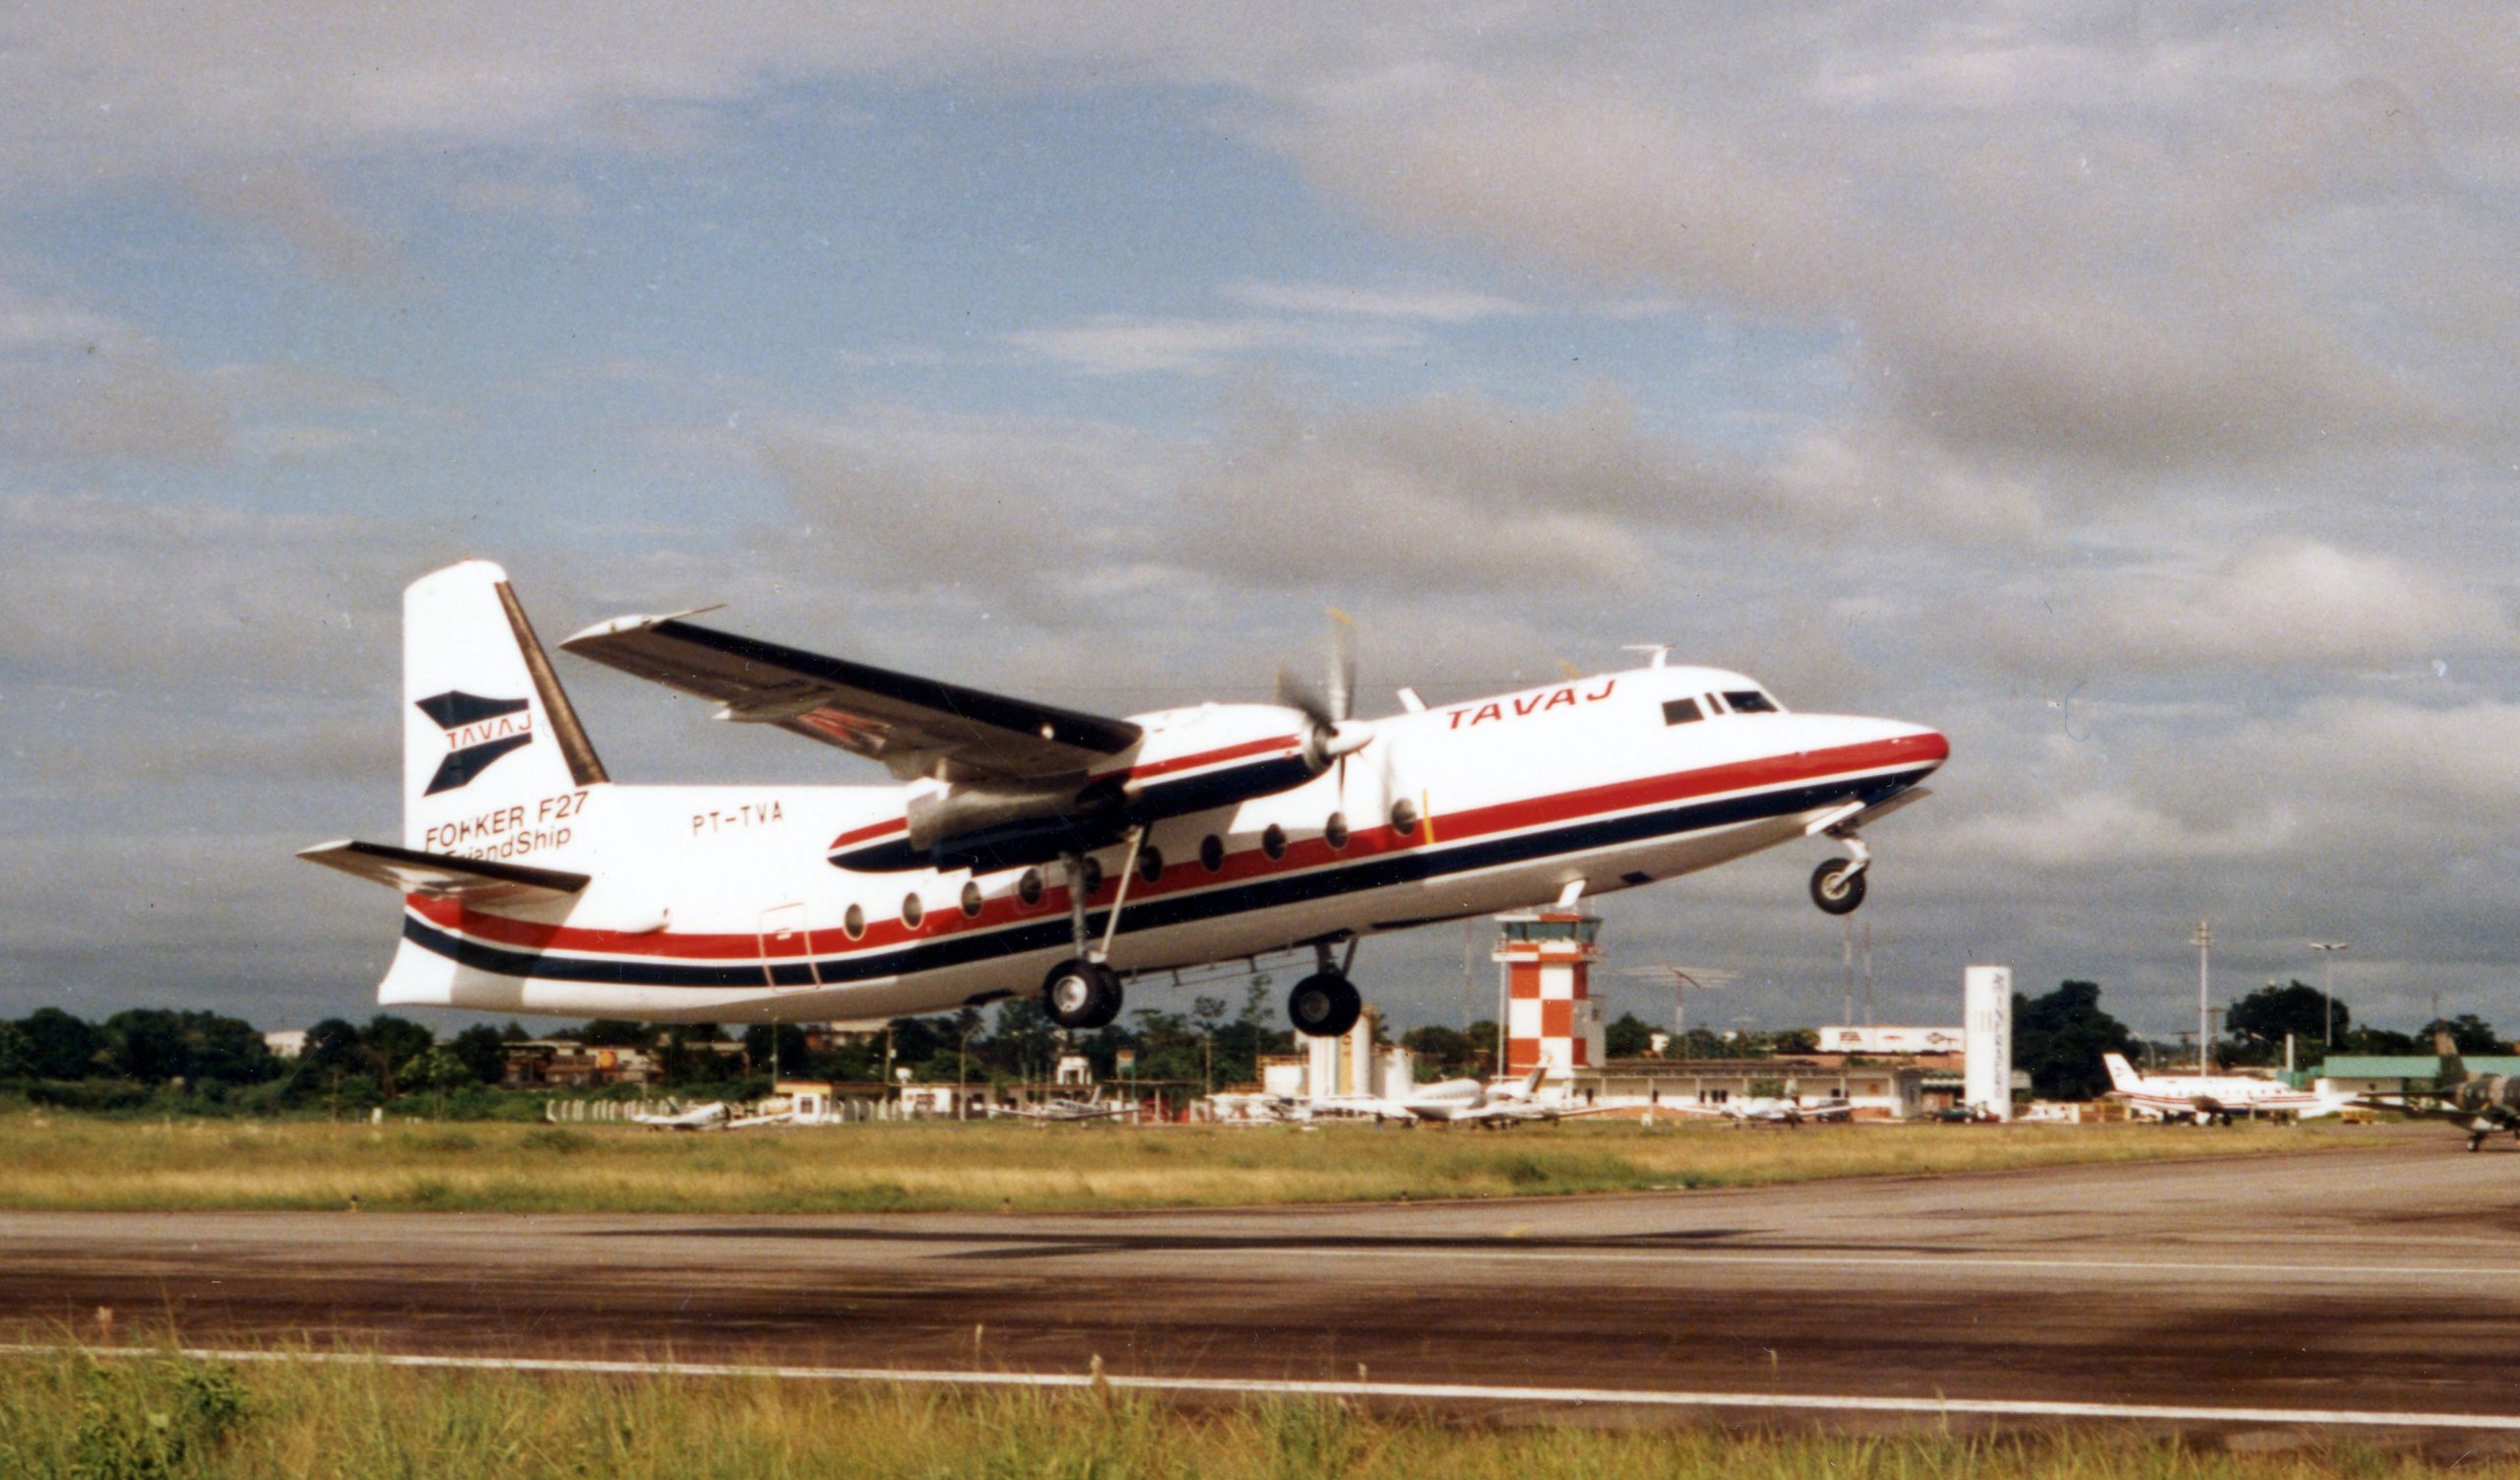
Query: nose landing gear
x=1837 y=886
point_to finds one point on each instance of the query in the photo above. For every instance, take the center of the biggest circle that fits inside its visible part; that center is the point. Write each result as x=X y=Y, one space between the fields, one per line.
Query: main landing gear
x=1325 y=1003
x=1082 y=993
x=1837 y=886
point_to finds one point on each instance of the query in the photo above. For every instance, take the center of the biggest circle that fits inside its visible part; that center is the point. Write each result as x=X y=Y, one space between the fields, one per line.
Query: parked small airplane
x=2488 y=1103
x=531 y=882
x=714 y=1116
x=1787 y=1111
x=2208 y=1099
x=1064 y=1112
x=1462 y=1102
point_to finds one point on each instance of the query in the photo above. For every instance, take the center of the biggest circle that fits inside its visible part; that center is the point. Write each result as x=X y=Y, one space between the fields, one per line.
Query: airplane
x=1031 y=848
x=2486 y=1102
x=1462 y=1102
x=1064 y=1112
x=714 y=1116
x=2205 y=1099
x=1787 y=1111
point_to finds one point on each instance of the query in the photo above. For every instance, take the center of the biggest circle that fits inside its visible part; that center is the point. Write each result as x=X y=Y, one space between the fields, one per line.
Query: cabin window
x=1681 y=712
x=1093 y=877
x=1273 y=842
x=1404 y=818
x=970 y=899
x=1150 y=863
x=912 y=911
x=854 y=924
x=1749 y=701
x=1212 y=852
x=1335 y=831
x=1029 y=887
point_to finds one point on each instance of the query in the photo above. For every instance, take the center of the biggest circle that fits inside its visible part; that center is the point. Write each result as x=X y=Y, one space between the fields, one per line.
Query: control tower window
x=1749 y=701
x=1681 y=712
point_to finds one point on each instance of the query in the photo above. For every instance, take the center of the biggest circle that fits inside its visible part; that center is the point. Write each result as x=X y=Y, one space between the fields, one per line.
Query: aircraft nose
x=1905 y=744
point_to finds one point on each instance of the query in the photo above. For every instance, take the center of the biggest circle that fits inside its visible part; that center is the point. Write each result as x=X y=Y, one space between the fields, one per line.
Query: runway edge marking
x=1457 y=1391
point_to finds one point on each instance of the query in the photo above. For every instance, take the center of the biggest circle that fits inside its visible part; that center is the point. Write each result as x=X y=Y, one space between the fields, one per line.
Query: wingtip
x=633 y=624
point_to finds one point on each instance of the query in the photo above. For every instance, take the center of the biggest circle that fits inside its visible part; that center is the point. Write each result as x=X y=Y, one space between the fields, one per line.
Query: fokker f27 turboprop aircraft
x=1032 y=849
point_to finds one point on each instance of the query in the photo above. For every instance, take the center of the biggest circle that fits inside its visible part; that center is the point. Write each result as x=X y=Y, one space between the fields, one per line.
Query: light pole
x=1703 y=977
x=2204 y=943
x=2327 y=951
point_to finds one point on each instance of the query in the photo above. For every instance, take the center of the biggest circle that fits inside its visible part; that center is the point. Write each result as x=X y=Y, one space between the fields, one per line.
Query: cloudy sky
x=2127 y=392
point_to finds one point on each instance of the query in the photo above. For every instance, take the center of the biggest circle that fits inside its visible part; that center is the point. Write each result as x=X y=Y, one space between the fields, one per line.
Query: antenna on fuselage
x=1656 y=652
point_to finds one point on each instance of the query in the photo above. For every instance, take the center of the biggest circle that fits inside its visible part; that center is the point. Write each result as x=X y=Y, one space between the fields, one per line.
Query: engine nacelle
x=1191 y=760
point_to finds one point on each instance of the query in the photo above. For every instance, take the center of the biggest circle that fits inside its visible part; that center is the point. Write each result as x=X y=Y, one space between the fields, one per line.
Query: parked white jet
x=2208 y=1098
x=1033 y=849
x=1454 y=1102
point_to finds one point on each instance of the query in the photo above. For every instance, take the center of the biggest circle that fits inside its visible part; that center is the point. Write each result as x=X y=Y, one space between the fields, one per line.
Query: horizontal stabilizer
x=473 y=881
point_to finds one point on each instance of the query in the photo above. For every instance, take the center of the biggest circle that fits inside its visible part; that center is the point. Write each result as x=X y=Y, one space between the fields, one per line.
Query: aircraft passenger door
x=787 y=949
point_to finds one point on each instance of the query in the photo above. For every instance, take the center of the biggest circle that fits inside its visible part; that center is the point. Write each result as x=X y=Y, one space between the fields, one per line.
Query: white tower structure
x=1986 y=1040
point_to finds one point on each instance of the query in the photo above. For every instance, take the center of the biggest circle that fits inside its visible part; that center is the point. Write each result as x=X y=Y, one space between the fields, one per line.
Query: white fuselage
x=2201 y=1096
x=723 y=903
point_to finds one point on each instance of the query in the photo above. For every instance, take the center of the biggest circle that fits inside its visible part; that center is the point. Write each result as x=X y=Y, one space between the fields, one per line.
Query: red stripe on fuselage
x=944 y=915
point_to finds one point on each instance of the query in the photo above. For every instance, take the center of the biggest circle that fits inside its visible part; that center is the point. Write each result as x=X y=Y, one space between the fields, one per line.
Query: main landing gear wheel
x=1324 y=1005
x=1082 y=995
x=1837 y=886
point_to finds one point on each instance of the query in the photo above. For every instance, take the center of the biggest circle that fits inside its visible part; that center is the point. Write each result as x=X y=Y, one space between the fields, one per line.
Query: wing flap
x=914 y=726
x=473 y=882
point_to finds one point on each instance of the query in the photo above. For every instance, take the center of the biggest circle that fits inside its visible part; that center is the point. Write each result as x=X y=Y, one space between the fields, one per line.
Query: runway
x=2377 y=1279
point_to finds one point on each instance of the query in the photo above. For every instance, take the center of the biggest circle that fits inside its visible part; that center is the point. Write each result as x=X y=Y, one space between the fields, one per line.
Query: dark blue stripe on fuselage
x=1051 y=933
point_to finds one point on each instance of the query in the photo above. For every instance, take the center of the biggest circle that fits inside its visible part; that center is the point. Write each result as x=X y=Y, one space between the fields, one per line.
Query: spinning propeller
x=1334 y=736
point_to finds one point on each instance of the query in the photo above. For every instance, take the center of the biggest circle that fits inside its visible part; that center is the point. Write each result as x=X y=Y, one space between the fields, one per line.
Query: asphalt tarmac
x=2380 y=1277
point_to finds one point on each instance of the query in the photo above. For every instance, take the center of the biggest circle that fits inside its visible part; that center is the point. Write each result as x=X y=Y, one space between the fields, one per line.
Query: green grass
x=67 y=1416
x=58 y=1162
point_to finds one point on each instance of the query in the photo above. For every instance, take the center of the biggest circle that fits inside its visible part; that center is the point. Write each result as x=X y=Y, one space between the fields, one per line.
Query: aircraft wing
x=916 y=727
x=472 y=881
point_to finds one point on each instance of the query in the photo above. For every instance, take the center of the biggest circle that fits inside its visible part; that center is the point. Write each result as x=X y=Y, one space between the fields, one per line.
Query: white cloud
x=1121 y=344
x=76 y=383
x=1441 y=305
x=2277 y=605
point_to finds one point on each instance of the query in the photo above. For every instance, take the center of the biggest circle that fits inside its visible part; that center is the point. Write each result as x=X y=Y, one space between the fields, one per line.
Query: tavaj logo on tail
x=479 y=730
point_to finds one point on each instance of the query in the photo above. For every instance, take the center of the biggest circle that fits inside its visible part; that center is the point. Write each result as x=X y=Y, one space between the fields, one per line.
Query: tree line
x=144 y=1056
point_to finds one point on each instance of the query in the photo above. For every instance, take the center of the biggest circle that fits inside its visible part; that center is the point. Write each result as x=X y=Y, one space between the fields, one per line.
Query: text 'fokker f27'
x=1025 y=848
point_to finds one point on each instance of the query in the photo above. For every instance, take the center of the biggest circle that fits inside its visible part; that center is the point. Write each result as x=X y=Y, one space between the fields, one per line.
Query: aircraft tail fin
x=2121 y=1074
x=1530 y=1083
x=2454 y=1070
x=493 y=753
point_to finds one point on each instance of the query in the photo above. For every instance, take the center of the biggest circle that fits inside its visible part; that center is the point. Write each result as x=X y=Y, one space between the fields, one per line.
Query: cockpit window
x=1681 y=712
x=1749 y=701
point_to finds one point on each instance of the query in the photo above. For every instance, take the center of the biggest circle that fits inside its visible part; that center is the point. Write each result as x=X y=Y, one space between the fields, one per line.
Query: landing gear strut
x=1082 y=992
x=1837 y=886
x=1325 y=1003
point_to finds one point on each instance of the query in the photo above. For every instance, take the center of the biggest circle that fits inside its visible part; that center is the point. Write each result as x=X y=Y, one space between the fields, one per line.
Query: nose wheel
x=1837 y=886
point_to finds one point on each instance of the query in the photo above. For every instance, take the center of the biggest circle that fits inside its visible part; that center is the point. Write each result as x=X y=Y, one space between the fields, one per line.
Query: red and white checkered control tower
x=1548 y=956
